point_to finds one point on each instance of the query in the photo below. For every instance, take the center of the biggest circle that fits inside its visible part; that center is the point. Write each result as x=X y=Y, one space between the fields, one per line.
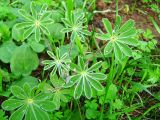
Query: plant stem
x=116 y=7
x=109 y=82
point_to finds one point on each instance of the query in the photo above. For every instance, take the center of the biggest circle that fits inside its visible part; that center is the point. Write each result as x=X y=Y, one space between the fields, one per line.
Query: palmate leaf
x=85 y=78
x=119 y=38
x=36 y=22
x=59 y=63
x=57 y=90
x=30 y=106
x=75 y=25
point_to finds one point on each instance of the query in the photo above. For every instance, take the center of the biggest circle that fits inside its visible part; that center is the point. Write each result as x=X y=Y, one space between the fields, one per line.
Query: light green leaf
x=43 y=96
x=112 y=92
x=23 y=25
x=95 y=66
x=96 y=84
x=46 y=105
x=37 y=34
x=18 y=92
x=36 y=46
x=57 y=33
x=11 y=104
x=108 y=49
x=28 y=32
x=33 y=11
x=87 y=89
x=127 y=26
x=118 y=52
x=125 y=49
x=118 y=22
x=107 y=25
x=24 y=60
x=78 y=90
x=35 y=113
x=17 y=34
x=97 y=76
x=103 y=36
x=6 y=51
x=129 y=41
x=19 y=114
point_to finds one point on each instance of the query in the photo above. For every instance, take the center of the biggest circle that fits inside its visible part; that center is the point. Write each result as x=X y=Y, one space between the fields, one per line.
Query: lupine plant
x=59 y=63
x=119 y=38
x=28 y=104
x=60 y=60
x=85 y=78
x=36 y=22
x=75 y=24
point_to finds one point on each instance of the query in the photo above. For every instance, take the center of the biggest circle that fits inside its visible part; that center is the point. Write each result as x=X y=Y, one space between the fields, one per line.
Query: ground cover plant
x=79 y=60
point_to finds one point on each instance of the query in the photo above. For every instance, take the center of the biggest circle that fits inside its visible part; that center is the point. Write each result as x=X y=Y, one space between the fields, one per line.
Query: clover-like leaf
x=85 y=79
x=30 y=105
x=24 y=60
x=120 y=38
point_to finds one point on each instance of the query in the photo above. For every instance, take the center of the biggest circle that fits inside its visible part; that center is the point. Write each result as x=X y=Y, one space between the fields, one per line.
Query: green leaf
x=36 y=46
x=127 y=34
x=129 y=41
x=11 y=104
x=17 y=34
x=6 y=51
x=87 y=89
x=73 y=36
x=33 y=11
x=32 y=81
x=118 y=104
x=95 y=66
x=117 y=51
x=112 y=92
x=37 y=34
x=25 y=15
x=97 y=76
x=127 y=26
x=35 y=113
x=23 y=25
x=18 y=114
x=118 y=22
x=81 y=63
x=107 y=25
x=96 y=84
x=46 y=105
x=57 y=33
x=56 y=100
x=57 y=15
x=108 y=49
x=125 y=49
x=79 y=89
x=28 y=32
x=43 y=96
x=18 y=92
x=24 y=60
x=2 y=115
x=73 y=50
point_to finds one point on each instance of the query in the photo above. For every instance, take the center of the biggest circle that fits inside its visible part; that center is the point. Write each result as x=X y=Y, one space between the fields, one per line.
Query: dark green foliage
x=60 y=61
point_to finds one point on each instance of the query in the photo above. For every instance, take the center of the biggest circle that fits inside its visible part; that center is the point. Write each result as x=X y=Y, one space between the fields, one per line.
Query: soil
x=128 y=9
